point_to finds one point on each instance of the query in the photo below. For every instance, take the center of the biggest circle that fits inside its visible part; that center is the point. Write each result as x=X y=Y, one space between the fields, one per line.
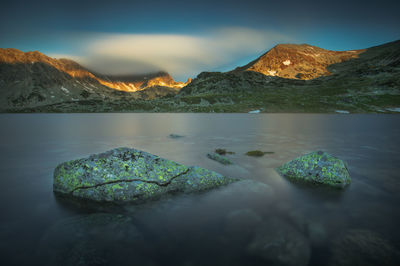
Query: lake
x=287 y=225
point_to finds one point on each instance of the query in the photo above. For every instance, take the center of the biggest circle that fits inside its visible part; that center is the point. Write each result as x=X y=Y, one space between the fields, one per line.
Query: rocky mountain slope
x=298 y=61
x=365 y=80
x=33 y=79
x=315 y=80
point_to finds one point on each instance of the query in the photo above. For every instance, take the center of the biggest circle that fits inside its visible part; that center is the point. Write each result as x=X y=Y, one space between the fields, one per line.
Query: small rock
x=258 y=153
x=223 y=152
x=219 y=158
x=175 y=136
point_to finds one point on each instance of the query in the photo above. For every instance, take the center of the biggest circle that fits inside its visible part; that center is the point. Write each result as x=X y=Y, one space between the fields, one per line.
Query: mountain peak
x=298 y=61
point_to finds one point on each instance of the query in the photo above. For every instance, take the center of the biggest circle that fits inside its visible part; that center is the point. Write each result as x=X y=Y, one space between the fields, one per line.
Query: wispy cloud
x=181 y=55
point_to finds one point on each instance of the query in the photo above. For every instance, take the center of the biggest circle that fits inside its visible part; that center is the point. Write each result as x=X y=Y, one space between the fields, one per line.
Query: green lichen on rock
x=318 y=168
x=129 y=175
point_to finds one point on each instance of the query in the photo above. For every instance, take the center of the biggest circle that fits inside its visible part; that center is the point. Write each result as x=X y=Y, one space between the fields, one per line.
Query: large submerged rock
x=92 y=239
x=363 y=247
x=317 y=167
x=130 y=175
x=277 y=243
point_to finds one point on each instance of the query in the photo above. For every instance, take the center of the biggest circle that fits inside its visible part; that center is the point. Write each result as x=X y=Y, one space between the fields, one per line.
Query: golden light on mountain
x=14 y=56
x=298 y=61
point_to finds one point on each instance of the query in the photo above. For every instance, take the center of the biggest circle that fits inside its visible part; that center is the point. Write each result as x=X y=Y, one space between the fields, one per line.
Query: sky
x=185 y=38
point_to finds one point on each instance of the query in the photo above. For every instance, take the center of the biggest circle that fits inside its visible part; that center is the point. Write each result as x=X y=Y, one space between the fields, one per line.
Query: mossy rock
x=317 y=168
x=130 y=175
x=223 y=151
x=219 y=158
x=258 y=153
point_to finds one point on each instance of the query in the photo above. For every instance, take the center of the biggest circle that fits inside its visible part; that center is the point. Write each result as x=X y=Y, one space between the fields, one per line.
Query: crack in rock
x=133 y=180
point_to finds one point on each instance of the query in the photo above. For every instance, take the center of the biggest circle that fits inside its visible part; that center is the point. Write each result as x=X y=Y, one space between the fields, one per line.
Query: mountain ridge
x=29 y=79
x=298 y=61
x=12 y=56
x=307 y=79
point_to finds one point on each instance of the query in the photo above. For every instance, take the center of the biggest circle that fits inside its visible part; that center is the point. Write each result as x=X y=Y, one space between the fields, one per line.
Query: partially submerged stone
x=175 y=136
x=129 y=175
x=223 y=152
x=258 y=153
x=318 y=168
x=219 y=158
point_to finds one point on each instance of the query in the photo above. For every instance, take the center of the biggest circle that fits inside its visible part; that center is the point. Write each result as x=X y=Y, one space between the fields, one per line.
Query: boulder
x=278 y=243
x=130 y=175
x=93 y=239
x=318 y=168
x=363 y=247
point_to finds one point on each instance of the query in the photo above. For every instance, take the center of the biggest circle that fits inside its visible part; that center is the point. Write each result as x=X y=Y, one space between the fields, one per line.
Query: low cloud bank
x=181 y=55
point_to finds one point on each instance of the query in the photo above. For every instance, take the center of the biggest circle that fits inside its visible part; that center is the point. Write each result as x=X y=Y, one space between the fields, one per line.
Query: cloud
x=179 y=54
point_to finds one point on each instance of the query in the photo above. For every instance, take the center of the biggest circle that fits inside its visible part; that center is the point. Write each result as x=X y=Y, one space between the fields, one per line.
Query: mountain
x=134 y=83
x=33 y=79
x=315 y=80
x=288 y=78
x=298 y=61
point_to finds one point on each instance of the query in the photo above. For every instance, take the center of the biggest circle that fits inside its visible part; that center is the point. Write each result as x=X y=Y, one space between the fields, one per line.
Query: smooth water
x=214 y=228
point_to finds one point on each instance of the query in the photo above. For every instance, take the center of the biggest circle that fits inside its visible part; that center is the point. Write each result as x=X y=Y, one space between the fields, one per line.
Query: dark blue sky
x=62 y=27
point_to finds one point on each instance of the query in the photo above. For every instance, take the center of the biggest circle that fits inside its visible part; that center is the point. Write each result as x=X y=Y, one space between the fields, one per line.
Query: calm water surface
x=215 y=228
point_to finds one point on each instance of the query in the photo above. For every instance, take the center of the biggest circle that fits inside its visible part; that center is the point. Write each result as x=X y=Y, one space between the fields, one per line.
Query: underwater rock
x=94 y=239
x=130 y=175
x=219 y=158
x=363 y=247
x=240 y=225
x=318 y=168
x=247 y=189
x=175 y=136
x=278 y=243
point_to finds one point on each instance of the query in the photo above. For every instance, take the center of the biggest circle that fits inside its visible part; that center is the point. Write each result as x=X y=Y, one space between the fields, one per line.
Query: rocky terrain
x=32 y=79
x=367 y=83
x=298 y=61
x=288 y=78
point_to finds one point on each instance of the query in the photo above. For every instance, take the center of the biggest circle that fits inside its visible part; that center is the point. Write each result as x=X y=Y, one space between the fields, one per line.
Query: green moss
x=317 y=168
x=223 y=152
x=257 y=153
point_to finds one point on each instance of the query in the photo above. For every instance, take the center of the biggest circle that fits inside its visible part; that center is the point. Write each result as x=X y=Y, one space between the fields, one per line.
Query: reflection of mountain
x=32 y=78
